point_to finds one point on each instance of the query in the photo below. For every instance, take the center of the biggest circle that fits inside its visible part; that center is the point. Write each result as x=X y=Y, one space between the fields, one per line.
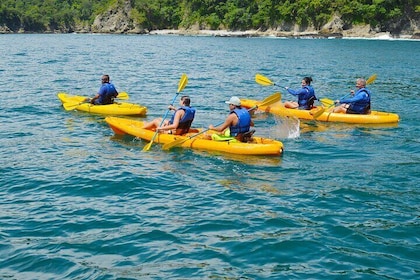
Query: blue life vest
x=361 y=106
x=186 y=121
x=244 y=121
x=306 y=101
x=107 y=93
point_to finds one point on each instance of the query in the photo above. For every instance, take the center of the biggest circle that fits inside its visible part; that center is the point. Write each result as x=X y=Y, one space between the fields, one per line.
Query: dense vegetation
x=67 y=15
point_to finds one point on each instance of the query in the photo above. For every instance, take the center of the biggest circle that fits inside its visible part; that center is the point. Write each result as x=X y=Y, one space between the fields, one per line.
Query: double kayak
x=76 y=102
x=375 y=117
x=196 y=139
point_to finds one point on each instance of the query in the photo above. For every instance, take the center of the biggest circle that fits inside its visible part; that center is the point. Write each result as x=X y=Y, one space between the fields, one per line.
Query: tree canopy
x=66 y=15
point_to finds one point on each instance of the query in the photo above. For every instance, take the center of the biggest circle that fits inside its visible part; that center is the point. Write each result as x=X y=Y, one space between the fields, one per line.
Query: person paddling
x=306 y=96
x=180 y=122
x=359 y=103
x=106 y=93
x=238 y=121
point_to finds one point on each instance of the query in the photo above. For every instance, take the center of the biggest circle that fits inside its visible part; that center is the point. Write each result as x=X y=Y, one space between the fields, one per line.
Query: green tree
x=10 y=17
x=45 y=15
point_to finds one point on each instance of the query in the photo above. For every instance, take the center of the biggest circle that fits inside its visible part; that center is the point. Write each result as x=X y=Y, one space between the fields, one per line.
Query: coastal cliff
x=127 y=17
x=119 y=19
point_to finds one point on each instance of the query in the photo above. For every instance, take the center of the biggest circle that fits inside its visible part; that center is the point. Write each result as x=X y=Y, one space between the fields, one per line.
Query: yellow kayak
x=76 y=102
x=258 y=146
x=375 y=117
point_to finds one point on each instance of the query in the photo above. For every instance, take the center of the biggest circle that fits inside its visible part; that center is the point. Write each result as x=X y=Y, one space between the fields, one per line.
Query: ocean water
x=77 y=202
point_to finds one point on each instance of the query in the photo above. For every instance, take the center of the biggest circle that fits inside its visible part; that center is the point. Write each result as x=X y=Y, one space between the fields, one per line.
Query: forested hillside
x=73 y=15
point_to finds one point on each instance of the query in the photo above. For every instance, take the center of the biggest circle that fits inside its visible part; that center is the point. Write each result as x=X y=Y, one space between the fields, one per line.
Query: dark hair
x=307 y=80
x=186 y=100
x=105 y=78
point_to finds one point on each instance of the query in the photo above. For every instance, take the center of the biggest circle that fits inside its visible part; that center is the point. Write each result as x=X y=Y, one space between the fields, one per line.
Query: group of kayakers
x=239 y=121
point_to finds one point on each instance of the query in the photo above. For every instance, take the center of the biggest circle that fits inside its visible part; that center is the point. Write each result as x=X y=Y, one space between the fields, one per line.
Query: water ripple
x=81 y=203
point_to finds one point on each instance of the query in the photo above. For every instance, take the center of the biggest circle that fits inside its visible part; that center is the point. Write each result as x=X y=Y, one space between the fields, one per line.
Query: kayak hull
x=375 y=117
x=259 y=146
x=115 y=109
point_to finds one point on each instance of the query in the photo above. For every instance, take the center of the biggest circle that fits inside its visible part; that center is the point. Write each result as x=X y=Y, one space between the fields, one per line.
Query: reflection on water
x=250 y=185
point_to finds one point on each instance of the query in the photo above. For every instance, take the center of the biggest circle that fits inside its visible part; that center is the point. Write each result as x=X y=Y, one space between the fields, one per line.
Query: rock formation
x=118 y=20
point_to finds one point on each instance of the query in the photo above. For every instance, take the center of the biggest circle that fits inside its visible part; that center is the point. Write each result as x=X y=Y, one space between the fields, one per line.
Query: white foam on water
x=285 y=128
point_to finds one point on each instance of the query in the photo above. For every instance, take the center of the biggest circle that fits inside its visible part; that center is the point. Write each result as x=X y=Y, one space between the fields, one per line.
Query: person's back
x=238 y=121
x=187 y=118
x=243 y=123
x=106 y=94
x=180 y=122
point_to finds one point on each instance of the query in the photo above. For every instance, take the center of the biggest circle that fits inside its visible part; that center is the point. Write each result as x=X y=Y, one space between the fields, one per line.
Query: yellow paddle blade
x=182 y=82
x=317 y=112
x=148 y=146
x=275 y=97
x=123 y=95
x=68 y=106
x=371 y=79
x=262 y=80
x=175 y=143
x=327 y=102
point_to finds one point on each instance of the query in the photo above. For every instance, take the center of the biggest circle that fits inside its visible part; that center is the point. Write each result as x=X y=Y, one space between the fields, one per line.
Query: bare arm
x=230 y=120
x=94 y=98
x=178 y=116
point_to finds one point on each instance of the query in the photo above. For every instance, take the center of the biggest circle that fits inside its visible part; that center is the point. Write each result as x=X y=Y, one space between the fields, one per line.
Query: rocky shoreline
x=120 y=21
x=364 y=32
x=354 y=33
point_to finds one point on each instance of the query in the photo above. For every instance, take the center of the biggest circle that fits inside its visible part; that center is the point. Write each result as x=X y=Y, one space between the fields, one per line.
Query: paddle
x=181 y=85
x=318 y=112
x=275 y=97
x=68 y=106
x=328 y=102
x=264 y=81
x=123 y=95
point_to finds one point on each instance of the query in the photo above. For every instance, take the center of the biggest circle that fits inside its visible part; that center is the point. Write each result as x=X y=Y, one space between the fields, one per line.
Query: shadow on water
x=201 y=167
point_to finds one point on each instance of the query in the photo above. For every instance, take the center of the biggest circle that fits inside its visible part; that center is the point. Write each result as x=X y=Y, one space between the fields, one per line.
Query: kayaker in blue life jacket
x=180 y=122
x=359 y=103
x=106 y=93
x=306 y=96
x=238 y=121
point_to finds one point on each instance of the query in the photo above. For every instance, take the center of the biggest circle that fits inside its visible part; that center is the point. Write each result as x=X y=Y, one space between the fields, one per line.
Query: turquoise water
x=78 y=202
